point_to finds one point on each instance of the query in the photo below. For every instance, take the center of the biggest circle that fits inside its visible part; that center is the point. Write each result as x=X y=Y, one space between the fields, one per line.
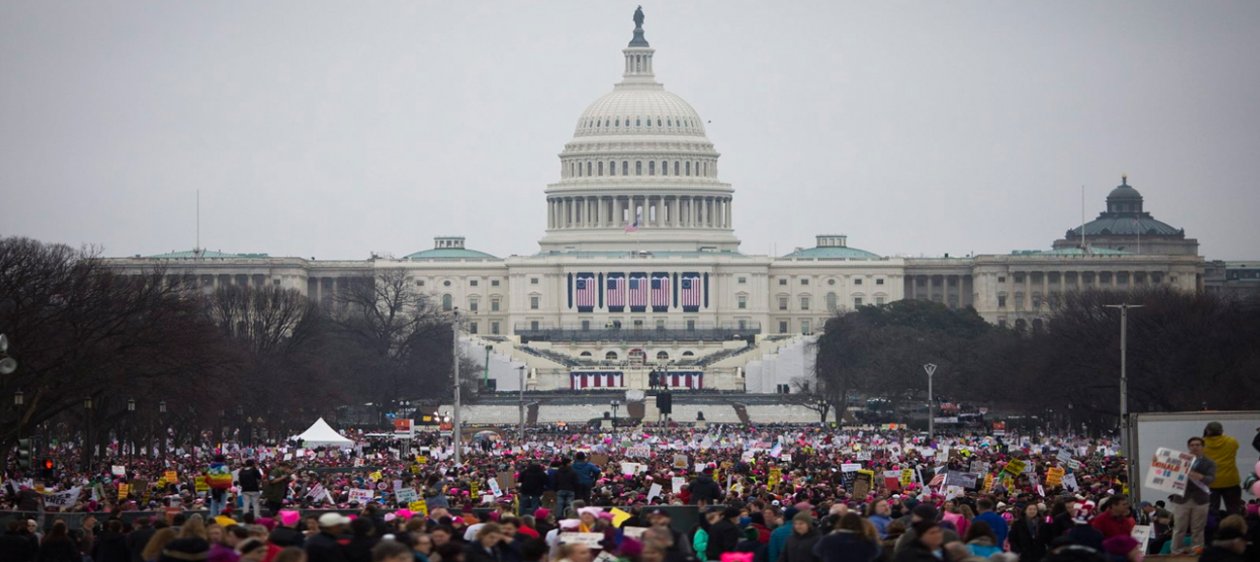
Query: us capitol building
x=640 y=268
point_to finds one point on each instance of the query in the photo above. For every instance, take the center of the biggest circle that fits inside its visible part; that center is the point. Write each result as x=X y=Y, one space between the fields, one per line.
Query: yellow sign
x=422 y=459
x=988 y=483
x=200 y=485
x=1054 y=476
x=123 y=490
x=619 y=517
x=419 y=506
x=907 y=476
x=375 y=476
x=171 y=476
x=474 y=487
x=1015 y=467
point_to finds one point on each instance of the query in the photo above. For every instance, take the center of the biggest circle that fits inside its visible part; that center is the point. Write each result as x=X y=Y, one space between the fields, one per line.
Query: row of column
x=652 y=211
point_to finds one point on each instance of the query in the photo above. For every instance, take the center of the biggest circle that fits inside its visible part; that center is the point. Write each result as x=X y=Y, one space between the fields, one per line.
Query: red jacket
x=1111 y=526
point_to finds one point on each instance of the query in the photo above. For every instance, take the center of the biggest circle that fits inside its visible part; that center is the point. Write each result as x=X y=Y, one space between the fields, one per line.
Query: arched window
x=651 y=167
x=688 y=167
x=638 y=167
x=601 y=168
x=649 y=121
x=664 y=168
x=662 y=356
x=638 y=122
x=612 y=168
x=706 y=169
x=831 y=302
x=585 y=354
x=625 y=167
x=588 y=168
x=610 y=356
x=676 y=167
x=447 y=302
x=688 y=354
x=618 y=122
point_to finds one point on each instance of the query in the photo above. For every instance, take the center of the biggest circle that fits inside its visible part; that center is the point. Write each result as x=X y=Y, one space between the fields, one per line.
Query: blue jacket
x=778 y=540
x=587 y=472
x=996 y=523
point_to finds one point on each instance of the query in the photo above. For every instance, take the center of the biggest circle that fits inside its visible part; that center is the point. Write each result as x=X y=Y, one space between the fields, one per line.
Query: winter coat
x=917 y=552
x=1223 y=450
x=1026 y=540
x=842 y=546
x=800 y=548
x=723 y=537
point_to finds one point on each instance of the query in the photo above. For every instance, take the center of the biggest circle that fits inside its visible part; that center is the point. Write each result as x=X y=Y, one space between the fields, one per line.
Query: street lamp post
x=161 y=422
x=521 y=432
x=87 y=436
x=18 y=400
x=930 y=369
x=456 y=433
x=614 y=408
x=131 y=412
x=1124 y=389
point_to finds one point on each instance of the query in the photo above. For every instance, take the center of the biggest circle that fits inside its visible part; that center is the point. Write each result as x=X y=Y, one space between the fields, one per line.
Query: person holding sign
x=1190 y=510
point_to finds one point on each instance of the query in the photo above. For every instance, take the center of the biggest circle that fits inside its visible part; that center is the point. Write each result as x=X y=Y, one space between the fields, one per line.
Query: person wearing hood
x=751 y=545
x=847 y=543
x=800 y=546
x=533 y=483
x=928 y=541
x=723 y=534
x=1223 y=450
x=981 y=540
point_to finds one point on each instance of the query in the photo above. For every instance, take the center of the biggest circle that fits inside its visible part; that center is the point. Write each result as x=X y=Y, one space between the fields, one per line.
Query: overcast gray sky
x=333 y=129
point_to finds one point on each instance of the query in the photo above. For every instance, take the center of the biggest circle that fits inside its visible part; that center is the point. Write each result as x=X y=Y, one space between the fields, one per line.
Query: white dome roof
x=637 y=110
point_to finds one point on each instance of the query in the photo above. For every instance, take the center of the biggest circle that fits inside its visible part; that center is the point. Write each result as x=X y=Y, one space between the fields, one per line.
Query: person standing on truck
x=1223 y=450
x=1191 y=509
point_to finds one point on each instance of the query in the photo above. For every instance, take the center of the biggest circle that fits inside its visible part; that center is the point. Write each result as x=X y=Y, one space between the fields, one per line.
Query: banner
x=406 y=495
x=63 y=500
x=419 y=506
x=1015 y=467
x=363 y=497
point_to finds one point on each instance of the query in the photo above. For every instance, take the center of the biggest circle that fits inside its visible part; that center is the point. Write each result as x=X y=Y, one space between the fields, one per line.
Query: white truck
x=1151 y=431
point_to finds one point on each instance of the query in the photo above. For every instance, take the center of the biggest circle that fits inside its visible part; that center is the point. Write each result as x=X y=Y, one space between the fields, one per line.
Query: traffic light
x=24 y=454
x=49 y=468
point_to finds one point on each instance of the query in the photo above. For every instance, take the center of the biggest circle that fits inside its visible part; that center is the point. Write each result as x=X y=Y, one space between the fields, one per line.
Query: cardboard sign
x=1054 y=476
x=1142 y=533
x=862 y=484
x=200 y=484
x=495 y=489
x=123 y=490
x=677 y=483
x=635 y=533
x=619 y=517
x=907 y=476
x=599 y=459
x=171 y=477
x=681 y=461
x=1069 y=483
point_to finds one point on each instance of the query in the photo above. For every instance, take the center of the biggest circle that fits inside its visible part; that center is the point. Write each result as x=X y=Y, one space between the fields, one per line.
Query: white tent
x=320 y=434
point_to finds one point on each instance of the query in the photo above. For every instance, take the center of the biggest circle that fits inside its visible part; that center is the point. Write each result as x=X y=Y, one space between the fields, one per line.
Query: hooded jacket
x=1222 y=449
x=800 y=548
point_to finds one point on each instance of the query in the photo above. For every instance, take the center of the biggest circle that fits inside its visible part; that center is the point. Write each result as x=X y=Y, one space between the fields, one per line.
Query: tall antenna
x=197 y=248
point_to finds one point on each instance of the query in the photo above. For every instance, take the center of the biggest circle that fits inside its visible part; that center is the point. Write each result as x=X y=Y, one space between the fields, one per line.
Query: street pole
x=930 y=368
x=521 y=433
x=1124 y=390
x=455 y=429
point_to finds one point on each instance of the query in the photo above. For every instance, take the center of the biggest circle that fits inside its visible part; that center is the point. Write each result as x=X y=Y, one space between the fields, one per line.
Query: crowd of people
x=658 y=494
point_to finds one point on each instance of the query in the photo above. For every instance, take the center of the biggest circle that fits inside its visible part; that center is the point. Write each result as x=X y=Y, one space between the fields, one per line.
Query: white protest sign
x=1170 y=471
x=653 y=492
x=629 y=468
x=677 y=483
x=1142 y=533
x=850 y=467
x=589 y=539
x=118 y=470
x=494 y=487
x=406 y=495
x=633 y=532
x=63 y=500
x=363 y=497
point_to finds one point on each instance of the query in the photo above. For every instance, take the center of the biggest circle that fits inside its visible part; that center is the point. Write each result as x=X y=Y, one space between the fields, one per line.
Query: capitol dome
x=638 y=111
x=639 y=173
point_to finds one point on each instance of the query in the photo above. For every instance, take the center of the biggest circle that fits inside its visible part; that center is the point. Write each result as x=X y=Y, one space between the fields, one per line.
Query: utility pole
x=521 y=432
x=456 y=432
x=1124 y=390
x=930 y=368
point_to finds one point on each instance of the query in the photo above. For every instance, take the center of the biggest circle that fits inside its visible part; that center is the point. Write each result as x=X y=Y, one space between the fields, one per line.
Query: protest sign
x=200 y=484
x=1069 y=482
x=171 y=477
x=1015 y=467
x=589 y=539
x=118 y=470
x=1054 y=476
x=63 y=500
x=1170 y=471
x=363 y=497
x=406 y=495
x=633 y=532
x=419 y=506
x=619 y=517
x=494 y=488
x=677 y=483
x=653 y=492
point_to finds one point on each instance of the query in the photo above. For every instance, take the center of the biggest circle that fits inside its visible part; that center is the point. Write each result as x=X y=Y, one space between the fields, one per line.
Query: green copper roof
x=831 y=253
x=1072 y=252
x=452 y=254
x=205 y=254
x=1109 y=224
x=631 y=254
